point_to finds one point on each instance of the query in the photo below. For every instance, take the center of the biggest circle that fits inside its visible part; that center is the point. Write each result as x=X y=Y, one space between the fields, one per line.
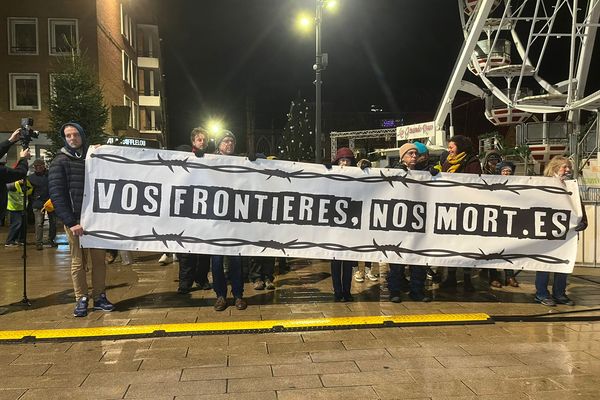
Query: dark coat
x=66 y=180
x=40 y=190
x=8 y=175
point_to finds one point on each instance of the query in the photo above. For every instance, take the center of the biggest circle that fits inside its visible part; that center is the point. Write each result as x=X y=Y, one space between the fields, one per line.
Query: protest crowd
x=56 y=194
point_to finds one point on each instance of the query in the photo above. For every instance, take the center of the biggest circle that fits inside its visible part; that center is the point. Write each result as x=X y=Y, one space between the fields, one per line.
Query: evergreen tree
x=76 y=97
x=298 y=135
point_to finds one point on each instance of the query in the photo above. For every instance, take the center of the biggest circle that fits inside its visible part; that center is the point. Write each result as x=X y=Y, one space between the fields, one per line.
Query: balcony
x=148 y=62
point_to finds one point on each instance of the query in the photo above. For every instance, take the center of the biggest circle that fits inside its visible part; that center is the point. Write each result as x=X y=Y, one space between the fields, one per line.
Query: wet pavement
x=555 y=357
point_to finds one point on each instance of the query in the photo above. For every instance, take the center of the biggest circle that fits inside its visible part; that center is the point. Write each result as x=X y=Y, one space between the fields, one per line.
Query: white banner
x=167 y=201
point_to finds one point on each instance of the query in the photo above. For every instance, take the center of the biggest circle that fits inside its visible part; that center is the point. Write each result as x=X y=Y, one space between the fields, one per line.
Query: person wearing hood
x=491 y=159
x=66 y=182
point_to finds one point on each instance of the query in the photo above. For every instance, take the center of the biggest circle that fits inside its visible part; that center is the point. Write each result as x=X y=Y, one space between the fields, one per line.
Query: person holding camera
x=66 y=181
x=8 y=175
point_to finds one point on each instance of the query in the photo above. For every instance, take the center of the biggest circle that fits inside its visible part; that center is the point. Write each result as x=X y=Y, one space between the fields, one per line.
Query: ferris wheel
x=528 y=58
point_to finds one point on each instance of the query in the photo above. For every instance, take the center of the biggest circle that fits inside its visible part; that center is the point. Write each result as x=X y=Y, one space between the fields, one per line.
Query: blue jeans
x=341 y=276
x=235 y=276
x=16 y=233
x=418 y=275
x=559 y=284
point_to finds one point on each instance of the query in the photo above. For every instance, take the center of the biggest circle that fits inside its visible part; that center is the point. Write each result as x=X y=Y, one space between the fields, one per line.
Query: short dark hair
x=463 y=144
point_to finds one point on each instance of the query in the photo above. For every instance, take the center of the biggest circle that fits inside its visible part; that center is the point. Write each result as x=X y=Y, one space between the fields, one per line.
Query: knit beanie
x=222 y=135
x=405 y=148
x=421 y=148
x=343 y=152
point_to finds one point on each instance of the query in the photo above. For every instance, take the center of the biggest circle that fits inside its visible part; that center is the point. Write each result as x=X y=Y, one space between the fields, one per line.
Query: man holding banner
x=225 y=145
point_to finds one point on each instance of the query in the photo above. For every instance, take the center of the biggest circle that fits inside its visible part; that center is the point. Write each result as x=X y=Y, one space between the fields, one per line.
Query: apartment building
x=120 y=39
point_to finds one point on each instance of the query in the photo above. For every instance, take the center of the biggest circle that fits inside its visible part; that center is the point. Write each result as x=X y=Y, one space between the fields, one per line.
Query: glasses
x=411 y=153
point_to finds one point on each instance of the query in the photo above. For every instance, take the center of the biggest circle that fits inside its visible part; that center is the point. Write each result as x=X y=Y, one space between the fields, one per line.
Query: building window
x=128 y=28
x=63 y=35
x=24 y=91
x=22 y=36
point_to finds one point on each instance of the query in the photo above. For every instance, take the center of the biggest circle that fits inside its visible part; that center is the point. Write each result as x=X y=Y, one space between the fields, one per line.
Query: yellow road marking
x=241 y=326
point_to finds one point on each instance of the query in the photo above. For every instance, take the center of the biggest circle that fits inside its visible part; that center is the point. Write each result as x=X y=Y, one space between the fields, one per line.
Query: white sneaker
x=164 y=259
x=358 y=276
x=372 y=277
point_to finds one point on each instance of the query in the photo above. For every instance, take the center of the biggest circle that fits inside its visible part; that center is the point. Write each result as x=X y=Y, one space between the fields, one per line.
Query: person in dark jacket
x=341 y=270
x=461 y=159
x=8 y=175
x=66 y=182
x=225 y=145
x=193 y=268
x=39 y=182
x=408 y=161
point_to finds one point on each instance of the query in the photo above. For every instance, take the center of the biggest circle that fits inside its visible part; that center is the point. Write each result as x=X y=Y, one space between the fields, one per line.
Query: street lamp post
x=318 y=68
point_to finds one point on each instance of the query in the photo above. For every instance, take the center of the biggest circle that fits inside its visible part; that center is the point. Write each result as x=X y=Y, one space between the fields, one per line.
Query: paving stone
x=343 y=355
x=315 y=368
x=496 y=360
x=528 y=385
x=100 y=393
x=366 y=378
x=340 y=393
x=152 y=390
x=208 y=373
x=393 y=363
x=269 y=359
x=273 y=383
x=11 y=394
x=275 y=348
x=422 y=390
x=96 y=379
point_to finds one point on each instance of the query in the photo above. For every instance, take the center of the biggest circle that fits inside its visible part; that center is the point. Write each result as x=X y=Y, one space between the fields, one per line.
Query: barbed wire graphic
x=180 y=239
x=187 y=164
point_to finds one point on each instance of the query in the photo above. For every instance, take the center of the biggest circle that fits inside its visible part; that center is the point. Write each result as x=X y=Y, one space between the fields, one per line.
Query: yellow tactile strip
x=207 y=328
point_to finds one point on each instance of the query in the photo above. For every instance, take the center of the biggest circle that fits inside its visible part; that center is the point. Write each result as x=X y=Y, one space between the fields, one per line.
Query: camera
x=27 y=134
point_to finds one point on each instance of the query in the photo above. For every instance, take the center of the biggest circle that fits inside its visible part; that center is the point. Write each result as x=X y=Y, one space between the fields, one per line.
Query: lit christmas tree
x=298 y=135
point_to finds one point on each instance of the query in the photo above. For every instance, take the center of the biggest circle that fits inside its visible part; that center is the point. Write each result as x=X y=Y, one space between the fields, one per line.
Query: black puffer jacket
x=66 y=180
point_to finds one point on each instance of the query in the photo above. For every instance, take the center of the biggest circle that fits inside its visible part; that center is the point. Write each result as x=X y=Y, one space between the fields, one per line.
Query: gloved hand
x=363 y=164
x=199 y=153
x=251 y=156
x=327 y=165
x=433 y=171
x=581 y=225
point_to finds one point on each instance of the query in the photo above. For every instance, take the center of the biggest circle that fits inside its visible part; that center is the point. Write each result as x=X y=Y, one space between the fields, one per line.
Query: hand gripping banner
x=168 y=201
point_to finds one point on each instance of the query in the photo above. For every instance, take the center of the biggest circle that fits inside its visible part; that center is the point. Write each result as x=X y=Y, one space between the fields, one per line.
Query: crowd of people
x=64 y=185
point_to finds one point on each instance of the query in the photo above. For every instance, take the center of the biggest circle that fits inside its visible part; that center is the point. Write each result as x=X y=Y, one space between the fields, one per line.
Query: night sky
x=397 y=54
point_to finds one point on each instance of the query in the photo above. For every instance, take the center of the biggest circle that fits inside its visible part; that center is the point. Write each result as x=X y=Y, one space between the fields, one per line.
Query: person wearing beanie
x=225 y=145
x=505 y=168
x=461 y=159
x=344 y=157
x=66 y=182
x=418 y=274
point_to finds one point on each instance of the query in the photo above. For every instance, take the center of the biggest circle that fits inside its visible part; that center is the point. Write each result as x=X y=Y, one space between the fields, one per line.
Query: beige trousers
x=80 y=263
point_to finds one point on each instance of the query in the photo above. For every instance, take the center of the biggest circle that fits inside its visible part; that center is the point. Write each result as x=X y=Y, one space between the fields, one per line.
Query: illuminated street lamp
x=214 y=126
x=321 y=61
